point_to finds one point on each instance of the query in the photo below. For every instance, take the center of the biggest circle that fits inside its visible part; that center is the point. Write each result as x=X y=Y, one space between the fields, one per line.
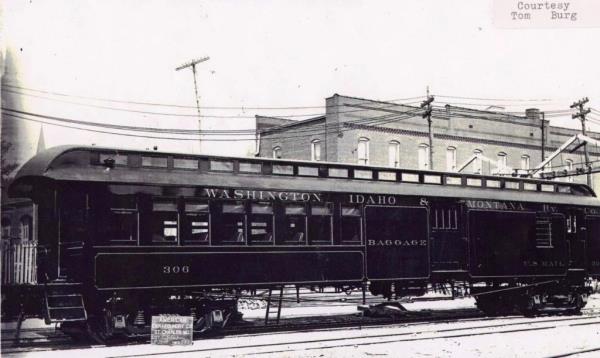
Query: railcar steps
x=64 y=302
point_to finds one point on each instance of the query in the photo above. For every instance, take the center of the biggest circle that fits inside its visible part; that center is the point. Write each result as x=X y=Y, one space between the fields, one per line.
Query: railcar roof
x=77 y=163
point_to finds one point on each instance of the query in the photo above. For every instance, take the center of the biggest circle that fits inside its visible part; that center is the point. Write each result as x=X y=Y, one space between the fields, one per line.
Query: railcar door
x=449 y=245
x=577 y=237
x=397 y=242
x=593 y=243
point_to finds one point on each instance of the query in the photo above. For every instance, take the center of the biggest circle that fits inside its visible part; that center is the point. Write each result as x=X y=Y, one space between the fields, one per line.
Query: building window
x=394 y=154
x=363 y=151
x=501 y=162
x=277 y=153
x=451 y=159
x=315 y=150
x=569 y=169
x=525 y=162
x=477 y=162
x=423 y=156
x=25 y=228
x=5 y=228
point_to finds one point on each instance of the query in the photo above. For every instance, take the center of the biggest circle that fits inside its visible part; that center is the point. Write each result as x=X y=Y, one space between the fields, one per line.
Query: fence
x=18 y=262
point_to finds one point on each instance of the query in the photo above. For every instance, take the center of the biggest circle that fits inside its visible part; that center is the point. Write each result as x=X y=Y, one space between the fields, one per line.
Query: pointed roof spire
x=41 y=145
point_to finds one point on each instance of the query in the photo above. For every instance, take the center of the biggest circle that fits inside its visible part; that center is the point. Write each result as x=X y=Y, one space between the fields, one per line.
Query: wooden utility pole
x=581 y=115
x=193 y=64
x=427 y=114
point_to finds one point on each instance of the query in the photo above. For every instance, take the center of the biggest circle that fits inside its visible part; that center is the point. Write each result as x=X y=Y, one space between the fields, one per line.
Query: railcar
x=125 y=235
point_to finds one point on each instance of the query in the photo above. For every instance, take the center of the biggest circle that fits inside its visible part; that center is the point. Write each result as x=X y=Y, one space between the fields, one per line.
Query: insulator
x=139 y=319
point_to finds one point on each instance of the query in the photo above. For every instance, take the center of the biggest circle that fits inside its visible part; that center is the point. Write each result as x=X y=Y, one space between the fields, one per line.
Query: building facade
x=358 y=130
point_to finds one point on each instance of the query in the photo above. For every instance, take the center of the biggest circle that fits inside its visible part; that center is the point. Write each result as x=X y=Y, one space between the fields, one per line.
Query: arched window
x=423 y=156
x=363 y=151
x=569 y=168
x=501 y=162
x=25 y=228
x=5 y=228
x=277 y=152
x=451 y=159
x=315 y=150
x=525 y=162
x=477 y=163
x=394 y=154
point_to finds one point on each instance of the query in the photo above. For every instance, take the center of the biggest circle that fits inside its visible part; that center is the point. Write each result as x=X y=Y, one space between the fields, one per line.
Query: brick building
x=358 y=130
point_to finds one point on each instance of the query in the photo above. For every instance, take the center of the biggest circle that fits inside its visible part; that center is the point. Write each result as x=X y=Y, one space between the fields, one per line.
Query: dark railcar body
x=142 y=222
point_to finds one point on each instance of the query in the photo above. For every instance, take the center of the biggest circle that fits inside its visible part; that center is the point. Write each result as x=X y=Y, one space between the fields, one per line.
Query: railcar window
x=530 y=186
x=148 y=161
x=196 y=224
x=230 y=225
x=182 y=163
x=543 y=231
x=492 y=183
x=514 y=185
x=391 y=176
x=412 y=178
x=308 y=171
x=445 y=219
x=221 y=165
x=119 y=159
x=283 y=169
x=294 y=225
x=250 y=167
x=454 y=180
x=338 y=173
x=164 y=223
x=350 y=225
x=473 y=182
x=564 y=189
x=261 y=223
x=363 y=174
x=432 y=179
x=320 y=224
x=117 y=220
x=571 y=223
x=548 y=187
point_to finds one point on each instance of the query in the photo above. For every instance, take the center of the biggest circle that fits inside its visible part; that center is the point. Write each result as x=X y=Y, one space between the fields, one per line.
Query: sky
x=274 y=54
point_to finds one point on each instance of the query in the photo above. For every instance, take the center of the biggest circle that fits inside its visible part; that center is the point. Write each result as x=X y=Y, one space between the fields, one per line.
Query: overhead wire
x=369 y=121
x=186 y=106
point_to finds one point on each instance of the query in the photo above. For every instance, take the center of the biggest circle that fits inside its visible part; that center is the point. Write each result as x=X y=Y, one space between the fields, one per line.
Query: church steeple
x=41 y=145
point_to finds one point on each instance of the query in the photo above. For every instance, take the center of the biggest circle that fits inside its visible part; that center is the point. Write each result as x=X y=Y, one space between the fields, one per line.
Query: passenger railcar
x=130 y=234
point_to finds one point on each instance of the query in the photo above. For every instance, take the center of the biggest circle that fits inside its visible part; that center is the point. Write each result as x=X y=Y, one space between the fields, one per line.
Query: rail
x=19 y=262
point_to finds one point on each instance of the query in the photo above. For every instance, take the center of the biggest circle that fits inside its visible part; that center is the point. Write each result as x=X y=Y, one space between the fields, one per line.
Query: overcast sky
x=278 y=54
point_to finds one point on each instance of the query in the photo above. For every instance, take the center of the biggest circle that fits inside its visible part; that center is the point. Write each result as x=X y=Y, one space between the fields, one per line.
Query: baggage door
x=593 y=244
x=397 y=240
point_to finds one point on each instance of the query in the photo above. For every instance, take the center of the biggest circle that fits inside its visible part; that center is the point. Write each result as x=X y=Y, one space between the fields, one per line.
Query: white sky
x=279 y=53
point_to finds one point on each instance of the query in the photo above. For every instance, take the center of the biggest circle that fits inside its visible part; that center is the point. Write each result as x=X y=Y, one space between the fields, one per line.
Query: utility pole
x=427 y=114
x=193 y=64
x=581 y=115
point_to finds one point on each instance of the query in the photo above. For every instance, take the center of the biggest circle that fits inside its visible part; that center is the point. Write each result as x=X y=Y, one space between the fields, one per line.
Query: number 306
x=176 y=269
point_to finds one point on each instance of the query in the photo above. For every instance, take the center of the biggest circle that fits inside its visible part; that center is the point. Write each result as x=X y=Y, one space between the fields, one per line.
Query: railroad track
x=285 y=346
x=51 y=340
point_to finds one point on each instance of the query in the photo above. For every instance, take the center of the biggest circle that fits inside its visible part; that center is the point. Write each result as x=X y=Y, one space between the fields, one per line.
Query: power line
x=167 y=114
x=309 y=133
x=500 y=99
x=184 y=106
